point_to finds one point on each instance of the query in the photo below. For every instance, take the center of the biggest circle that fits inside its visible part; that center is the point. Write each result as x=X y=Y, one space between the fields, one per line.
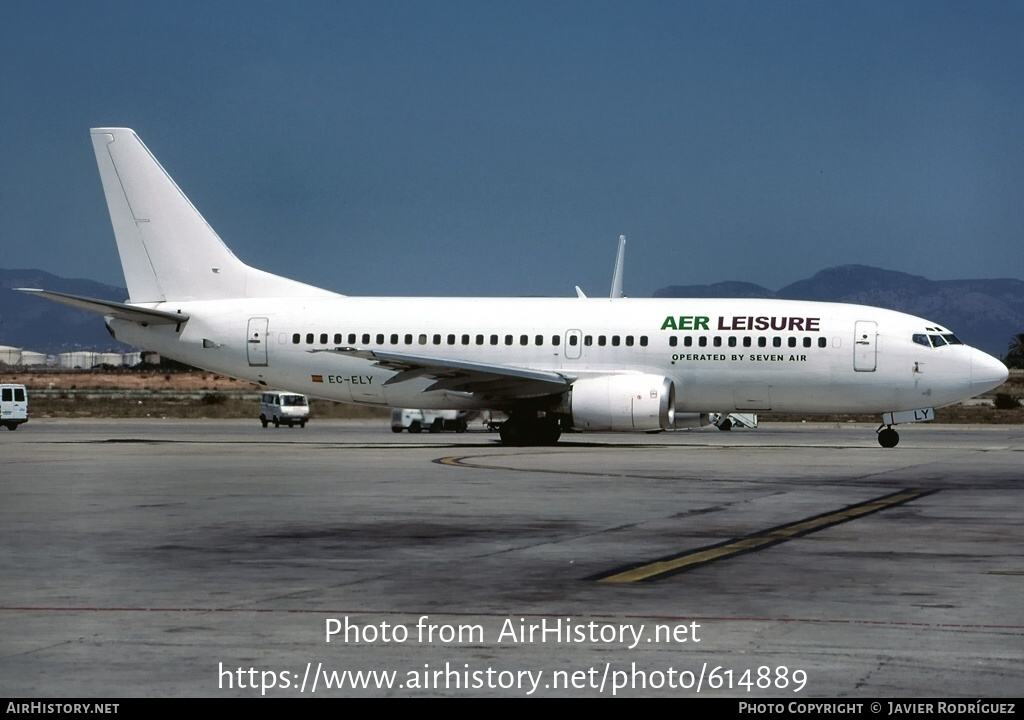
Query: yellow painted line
x=758 y=541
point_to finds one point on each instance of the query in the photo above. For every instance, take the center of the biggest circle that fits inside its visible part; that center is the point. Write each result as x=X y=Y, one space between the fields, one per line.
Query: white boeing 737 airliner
x=590 y=364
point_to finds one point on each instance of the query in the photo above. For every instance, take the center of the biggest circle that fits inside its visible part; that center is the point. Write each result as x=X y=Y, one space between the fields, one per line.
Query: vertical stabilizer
x=620 y=261
x=168 y=251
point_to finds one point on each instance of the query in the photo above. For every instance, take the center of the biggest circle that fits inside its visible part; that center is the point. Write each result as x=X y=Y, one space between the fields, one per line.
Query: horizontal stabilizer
x=132 y=313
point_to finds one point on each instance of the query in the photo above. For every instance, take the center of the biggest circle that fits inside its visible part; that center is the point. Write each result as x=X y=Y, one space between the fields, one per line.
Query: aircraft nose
x=986 y=373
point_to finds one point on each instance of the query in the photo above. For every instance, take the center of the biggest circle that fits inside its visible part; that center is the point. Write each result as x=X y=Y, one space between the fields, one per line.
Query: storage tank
x=10 y=355
x=84 y=359
x=30 y=357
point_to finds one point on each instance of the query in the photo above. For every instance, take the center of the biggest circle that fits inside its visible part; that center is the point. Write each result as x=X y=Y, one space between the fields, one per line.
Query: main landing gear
x=523 y=429
x=887 y=437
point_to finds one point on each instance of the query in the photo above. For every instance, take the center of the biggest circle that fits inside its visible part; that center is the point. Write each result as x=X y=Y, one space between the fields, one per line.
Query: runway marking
x=682 y=562
x=463 y=461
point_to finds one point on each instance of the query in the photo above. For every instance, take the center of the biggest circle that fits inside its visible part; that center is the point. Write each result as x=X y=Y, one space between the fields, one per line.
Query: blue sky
x=500 y=148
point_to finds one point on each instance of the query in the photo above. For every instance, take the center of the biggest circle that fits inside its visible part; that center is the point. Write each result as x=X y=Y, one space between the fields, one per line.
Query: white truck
x=727 y=421
x=434 y=421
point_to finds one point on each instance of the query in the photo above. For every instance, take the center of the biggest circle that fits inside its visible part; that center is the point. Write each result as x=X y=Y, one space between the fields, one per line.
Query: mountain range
x=983 y=313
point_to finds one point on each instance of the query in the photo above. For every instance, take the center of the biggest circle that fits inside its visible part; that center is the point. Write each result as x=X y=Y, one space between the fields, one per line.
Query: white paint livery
x=610 y=364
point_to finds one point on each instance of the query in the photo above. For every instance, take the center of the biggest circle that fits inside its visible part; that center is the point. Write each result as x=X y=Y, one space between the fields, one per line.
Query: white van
x=286 y=408
x=13 y=406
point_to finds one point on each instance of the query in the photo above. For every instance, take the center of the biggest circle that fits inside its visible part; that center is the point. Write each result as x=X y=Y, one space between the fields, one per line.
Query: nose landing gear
x=887 y=437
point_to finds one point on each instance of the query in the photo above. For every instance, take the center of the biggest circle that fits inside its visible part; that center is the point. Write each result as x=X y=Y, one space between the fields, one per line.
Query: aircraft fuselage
x=753 y=355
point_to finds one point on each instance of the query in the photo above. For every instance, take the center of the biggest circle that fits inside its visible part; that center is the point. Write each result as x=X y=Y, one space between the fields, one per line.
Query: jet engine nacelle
x=622 y=403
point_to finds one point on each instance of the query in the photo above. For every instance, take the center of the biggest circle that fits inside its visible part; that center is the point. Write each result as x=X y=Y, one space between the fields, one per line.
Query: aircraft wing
x=462 y=375
x=121 y=311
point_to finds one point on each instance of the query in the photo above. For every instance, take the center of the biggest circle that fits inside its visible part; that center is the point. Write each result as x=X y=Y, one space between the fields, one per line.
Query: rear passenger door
x=256 y=346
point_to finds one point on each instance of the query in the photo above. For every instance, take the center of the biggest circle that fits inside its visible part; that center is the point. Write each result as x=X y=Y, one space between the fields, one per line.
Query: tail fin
x=620 y=260
x=168 y=251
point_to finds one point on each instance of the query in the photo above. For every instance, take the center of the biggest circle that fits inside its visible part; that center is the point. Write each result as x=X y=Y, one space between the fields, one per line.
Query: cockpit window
x=937 y=340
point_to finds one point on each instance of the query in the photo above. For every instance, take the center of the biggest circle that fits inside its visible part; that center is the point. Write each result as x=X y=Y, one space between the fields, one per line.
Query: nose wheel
x=888 y=438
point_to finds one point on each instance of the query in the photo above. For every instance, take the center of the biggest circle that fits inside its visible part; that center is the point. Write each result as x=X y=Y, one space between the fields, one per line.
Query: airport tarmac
x=176 y=558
